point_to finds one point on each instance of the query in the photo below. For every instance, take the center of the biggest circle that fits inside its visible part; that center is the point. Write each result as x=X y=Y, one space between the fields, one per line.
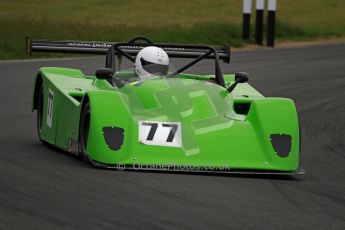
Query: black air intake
x=281 y=144
x=113 y=137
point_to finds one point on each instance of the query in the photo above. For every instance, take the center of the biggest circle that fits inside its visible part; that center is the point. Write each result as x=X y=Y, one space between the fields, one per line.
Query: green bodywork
x=213 y=134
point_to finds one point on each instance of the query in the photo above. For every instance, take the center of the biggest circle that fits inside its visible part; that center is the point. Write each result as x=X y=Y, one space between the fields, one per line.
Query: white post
x=247 y=10
x=260 y=6
x=271 y=21
x=247 y=6
x=272 y=5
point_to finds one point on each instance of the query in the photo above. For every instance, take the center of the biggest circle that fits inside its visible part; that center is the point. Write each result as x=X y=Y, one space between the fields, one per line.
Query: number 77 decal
x=160 y=133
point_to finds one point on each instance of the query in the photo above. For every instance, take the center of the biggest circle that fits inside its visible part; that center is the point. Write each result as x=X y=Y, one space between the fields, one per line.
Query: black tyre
x=84 y=131
x=39 y=113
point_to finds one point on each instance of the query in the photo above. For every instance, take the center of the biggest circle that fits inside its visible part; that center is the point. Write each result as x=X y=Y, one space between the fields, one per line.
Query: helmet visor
x=153 y=68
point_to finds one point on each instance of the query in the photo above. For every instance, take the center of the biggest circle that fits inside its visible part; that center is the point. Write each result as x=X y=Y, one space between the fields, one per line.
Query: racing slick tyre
x=84 y=131
x=39 y=113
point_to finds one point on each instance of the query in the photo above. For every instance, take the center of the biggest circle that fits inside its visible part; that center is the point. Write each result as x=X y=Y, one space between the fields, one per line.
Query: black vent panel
x=242 y=107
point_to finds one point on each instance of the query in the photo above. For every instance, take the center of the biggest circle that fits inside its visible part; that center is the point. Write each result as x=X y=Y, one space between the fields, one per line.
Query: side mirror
x=104 y=74
x=240 y=77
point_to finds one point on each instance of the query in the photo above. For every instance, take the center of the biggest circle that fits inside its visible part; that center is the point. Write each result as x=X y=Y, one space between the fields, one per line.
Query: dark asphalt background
x=44 y=188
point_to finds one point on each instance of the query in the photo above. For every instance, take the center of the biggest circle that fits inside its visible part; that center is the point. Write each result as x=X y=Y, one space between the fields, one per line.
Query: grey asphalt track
x=44 y=188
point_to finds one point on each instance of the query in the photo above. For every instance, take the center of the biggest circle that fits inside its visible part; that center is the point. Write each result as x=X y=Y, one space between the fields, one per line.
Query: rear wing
x=131 y=47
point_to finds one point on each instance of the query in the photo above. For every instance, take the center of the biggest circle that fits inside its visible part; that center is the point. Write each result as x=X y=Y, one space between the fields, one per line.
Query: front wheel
x=84 y=131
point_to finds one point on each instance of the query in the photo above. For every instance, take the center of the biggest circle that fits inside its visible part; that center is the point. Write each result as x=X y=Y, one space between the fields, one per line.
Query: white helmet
x=151 y=62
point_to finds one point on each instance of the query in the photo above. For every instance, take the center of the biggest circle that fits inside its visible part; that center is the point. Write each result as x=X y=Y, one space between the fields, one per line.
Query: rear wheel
x=84 y=131
x=39 y=112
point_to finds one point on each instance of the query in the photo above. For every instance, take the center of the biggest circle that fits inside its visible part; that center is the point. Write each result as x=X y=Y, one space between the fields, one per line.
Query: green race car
x=177 y=122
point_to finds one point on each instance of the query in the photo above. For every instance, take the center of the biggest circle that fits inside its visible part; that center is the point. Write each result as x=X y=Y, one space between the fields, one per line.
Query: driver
x=151 y=62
